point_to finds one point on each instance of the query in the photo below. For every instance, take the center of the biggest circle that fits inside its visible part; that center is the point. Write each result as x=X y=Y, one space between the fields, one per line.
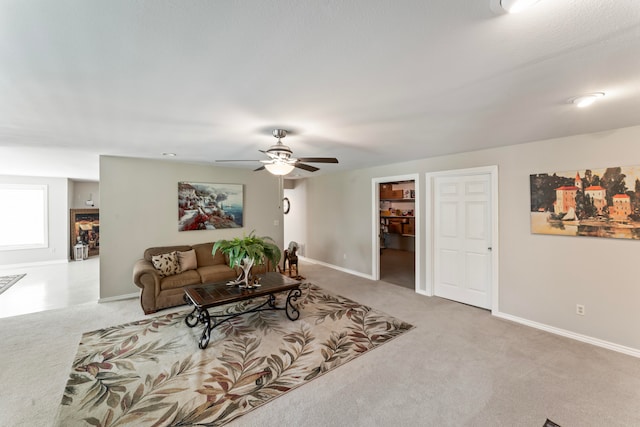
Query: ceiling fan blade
x=306 y=167
x=243 y=160
x=259 y=169
x=318 y=159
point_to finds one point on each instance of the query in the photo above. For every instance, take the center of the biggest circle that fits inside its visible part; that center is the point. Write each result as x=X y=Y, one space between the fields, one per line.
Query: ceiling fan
x=281 y=160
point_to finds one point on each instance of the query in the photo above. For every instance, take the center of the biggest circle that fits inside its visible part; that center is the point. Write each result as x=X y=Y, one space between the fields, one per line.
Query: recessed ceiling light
x=586 y=100
x=512 y=6
x=169 y=154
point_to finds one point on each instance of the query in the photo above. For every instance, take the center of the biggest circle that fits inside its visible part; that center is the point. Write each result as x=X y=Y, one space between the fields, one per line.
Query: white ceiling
x=368 y=81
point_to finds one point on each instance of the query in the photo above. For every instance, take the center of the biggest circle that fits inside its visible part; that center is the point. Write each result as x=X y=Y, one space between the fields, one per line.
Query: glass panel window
x=23 y=216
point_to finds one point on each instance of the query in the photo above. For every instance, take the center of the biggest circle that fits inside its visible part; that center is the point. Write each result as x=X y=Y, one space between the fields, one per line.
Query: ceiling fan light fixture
x=281 y=160
x=279 y=168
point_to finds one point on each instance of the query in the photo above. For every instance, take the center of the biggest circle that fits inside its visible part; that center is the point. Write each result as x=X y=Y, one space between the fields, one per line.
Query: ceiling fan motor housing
x=280 y=150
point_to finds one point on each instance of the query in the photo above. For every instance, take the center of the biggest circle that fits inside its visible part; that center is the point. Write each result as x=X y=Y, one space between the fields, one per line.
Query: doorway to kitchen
x=396 y=235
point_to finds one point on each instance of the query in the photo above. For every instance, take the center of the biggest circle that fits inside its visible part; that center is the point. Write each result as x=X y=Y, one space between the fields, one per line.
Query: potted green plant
x=245 y=252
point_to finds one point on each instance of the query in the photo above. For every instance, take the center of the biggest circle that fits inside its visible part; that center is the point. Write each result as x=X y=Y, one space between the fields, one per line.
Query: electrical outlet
x=580 y=309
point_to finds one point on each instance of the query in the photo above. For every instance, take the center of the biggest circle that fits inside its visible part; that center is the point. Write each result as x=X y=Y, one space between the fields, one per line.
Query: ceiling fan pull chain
x=280 y=190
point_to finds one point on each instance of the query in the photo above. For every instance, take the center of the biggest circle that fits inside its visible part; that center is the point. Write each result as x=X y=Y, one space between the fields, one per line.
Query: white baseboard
x=119 y=297
x=335 y=267
x=579 y=337
x=33 y=264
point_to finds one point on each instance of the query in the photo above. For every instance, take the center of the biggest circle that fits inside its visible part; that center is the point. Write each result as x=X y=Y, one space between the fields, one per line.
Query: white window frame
x=43 y=190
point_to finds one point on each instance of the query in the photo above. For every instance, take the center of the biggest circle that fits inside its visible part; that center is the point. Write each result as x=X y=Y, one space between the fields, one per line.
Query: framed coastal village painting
x=205 y=206
x=592 y=202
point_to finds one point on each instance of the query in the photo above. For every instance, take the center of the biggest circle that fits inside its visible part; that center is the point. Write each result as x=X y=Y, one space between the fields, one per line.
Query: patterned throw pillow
x=187 y=260
x=167 y=264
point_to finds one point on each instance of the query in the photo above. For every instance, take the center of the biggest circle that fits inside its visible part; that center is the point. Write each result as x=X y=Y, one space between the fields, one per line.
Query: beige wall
x=542 y=277
x=81 y=190
x=58 y=227
x=139 y=209
x=339 y=219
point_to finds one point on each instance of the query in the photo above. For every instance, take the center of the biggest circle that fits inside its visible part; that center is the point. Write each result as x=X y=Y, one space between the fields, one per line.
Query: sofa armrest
x=141 y=268
x=147 y=279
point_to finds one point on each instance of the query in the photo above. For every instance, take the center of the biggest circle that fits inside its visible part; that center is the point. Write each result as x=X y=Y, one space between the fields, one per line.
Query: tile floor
x=48 y=287
x=398 y=267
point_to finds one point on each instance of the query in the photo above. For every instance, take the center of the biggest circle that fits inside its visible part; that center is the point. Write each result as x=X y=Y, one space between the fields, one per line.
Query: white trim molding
x=34 y=264
x=119 y=297
x=335 y=267
x=568 y=334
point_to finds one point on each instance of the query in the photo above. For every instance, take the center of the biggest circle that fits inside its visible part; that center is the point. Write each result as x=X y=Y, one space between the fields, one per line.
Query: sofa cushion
x=180 y=280
x=166 y=264
x=216 y=273
x=205 y=258
x=187 y=260
x=163 y=250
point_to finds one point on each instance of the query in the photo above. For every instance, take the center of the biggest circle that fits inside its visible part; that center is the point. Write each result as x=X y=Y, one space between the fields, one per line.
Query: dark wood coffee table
x=208 y=295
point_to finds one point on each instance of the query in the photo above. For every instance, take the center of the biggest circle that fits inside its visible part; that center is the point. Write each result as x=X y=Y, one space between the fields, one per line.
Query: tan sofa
x=159 y=292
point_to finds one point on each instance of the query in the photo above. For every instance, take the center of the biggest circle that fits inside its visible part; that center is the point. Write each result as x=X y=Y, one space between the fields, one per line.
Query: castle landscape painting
x=592 y=202
x=204 y=206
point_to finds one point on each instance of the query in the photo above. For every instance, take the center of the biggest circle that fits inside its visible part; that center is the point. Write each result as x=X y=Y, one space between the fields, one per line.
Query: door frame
x=429 y=221
x=375 y=230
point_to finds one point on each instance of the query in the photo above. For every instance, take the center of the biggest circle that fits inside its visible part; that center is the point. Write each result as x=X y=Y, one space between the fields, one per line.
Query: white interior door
x=462 y=238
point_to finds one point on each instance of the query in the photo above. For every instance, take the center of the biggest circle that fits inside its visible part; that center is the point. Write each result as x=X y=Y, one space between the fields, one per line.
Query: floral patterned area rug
x=152 y=373
x=7 y=281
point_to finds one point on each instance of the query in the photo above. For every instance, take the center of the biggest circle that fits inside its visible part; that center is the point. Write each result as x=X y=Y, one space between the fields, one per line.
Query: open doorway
x=396 y=220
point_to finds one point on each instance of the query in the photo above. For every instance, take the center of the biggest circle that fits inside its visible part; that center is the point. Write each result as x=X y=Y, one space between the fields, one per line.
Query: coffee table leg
x=272 y=301
x=202 y=317
x=292 y=312
x=191 y=320
x=206 y=333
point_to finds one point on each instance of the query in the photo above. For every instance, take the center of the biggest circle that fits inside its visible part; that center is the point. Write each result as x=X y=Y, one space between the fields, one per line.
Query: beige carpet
x=460 y=367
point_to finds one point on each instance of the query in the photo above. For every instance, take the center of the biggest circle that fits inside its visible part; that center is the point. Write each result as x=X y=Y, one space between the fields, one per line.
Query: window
x=23 y=216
